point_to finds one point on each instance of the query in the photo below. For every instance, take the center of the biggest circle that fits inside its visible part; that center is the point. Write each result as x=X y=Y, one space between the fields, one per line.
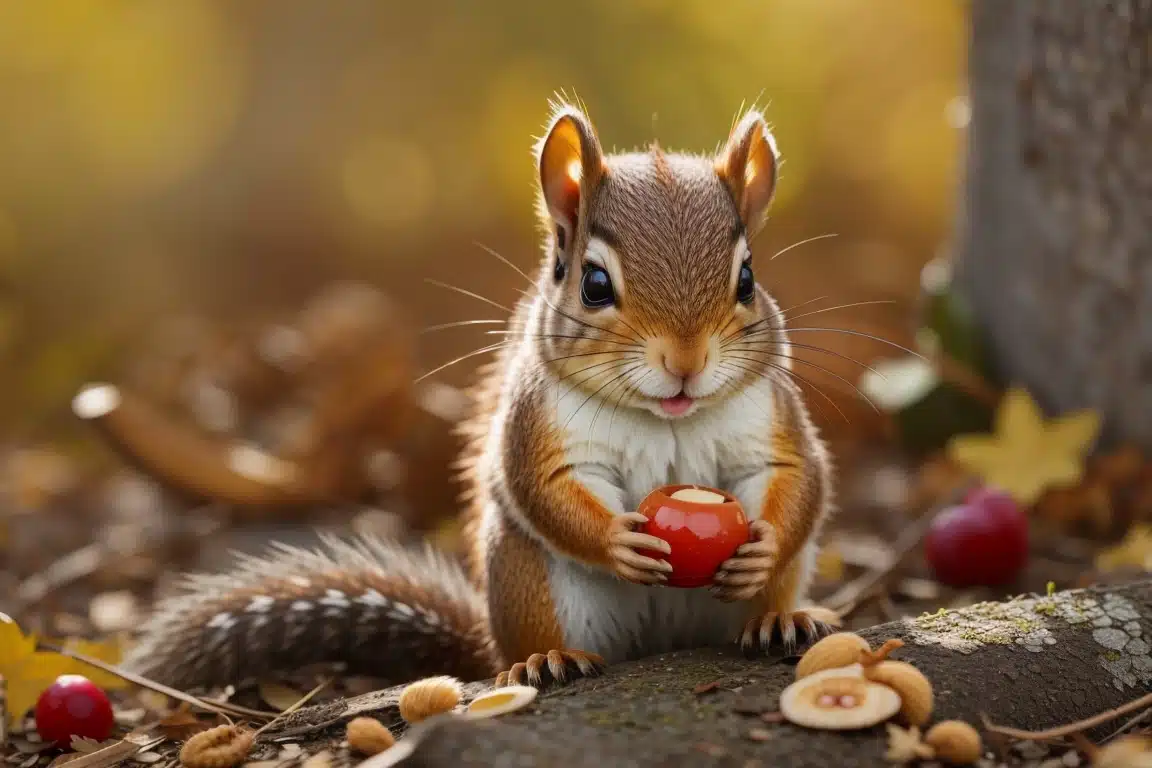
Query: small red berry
x=981 y=542
x=73 y=706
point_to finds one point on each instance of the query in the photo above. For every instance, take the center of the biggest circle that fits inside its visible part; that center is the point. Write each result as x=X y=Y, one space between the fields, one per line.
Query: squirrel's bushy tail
x=381 y=608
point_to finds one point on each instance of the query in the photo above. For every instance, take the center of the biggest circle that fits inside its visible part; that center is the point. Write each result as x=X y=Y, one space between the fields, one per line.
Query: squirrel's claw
x=555 y=666
x=626 y=561
x=763 y=633
x=742 y=576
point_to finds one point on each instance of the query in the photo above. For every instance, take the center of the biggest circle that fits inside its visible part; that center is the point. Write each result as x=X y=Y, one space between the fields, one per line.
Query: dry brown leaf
x=109 y=755
x=84 y=744
x=905 y=745
x=181 y=724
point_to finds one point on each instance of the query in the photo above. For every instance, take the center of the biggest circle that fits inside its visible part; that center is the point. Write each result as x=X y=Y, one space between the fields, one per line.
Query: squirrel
x=648 y=354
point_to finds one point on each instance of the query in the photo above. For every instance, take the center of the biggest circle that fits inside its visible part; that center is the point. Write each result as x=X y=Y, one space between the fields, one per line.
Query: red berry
x=702 y=536
x=73 y=706
x=981 y=542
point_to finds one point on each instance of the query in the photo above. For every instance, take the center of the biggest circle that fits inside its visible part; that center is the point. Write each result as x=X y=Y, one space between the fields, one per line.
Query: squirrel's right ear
x=571 y=163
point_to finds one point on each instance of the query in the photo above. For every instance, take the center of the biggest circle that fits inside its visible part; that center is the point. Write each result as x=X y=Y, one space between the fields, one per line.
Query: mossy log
x=1031 y=662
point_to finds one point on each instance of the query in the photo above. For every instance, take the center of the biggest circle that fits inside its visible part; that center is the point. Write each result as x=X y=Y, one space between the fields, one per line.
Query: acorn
x=910 y=683
x=838 y=699
x=837 y=650
x=369 y=736
x=430 y=696
x=955 y=742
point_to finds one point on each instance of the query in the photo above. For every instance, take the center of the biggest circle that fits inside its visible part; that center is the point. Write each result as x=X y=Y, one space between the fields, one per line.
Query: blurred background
x=222 y=208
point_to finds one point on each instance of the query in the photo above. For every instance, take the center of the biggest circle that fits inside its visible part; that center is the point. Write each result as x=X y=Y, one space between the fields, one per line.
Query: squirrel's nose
x=685 y=363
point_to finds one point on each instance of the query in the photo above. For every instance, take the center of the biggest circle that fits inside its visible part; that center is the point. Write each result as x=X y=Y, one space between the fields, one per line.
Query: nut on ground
x=837 y=650
x=428 y=697
x=369 y=736
x=955 y=742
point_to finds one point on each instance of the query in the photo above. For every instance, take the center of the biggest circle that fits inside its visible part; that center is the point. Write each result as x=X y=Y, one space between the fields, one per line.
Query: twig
x=1128 y=725
x=848 y=598
x=144 y=682
x=965 y=378
x=1070 y=728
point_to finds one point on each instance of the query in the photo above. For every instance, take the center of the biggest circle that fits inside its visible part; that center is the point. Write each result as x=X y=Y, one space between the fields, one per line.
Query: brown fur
x=524 y=619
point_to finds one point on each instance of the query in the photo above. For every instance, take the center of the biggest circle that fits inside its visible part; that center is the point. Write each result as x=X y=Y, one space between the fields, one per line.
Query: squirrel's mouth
x=677 y=405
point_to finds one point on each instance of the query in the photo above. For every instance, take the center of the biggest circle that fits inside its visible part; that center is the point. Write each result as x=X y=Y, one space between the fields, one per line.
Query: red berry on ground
x=73 y=706
x=981 y=542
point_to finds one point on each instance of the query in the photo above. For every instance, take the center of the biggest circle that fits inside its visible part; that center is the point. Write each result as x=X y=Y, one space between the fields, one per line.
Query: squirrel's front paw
x=625 y=561
x=744 y=574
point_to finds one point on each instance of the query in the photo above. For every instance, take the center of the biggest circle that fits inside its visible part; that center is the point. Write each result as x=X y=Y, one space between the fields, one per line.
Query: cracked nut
x=954 y=742
x=501 y=701
x=910 y=683
x=837 y=650
x=838 y=699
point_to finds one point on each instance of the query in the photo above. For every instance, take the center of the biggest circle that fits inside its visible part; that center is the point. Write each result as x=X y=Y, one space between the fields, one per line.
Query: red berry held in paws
x=981 y=542
x=73 y=706
x=703 y=526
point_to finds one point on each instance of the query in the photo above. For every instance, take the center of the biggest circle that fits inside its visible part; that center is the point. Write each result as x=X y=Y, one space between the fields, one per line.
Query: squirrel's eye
x=596 y=287
x=558 y=271
x=745 y=284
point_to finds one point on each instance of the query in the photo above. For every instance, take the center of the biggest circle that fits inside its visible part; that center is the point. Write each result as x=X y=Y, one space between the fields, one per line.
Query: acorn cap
x=838 y=699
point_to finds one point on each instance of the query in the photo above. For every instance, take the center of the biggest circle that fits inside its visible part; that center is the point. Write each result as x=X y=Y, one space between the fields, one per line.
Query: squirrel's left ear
x=748 y=167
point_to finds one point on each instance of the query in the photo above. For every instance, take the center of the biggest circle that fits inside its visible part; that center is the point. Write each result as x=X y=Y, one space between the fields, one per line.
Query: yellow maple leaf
x=26 y=671
x=1134 y=551
x=1028 y=455
x=107 y=651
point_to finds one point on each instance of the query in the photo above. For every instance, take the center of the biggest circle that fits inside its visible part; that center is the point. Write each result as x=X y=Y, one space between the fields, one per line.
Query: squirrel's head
x=648 y=296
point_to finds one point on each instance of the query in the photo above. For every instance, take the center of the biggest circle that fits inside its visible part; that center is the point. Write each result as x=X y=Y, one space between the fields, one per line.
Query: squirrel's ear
x=571 y=163
x=748 y=167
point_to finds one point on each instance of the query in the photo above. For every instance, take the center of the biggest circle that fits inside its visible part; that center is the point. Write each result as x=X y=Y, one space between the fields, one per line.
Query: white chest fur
x=621 y=457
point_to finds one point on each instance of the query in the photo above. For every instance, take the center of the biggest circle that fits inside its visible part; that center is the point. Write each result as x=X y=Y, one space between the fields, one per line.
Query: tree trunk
x=1055 y=253
x=1028 y=663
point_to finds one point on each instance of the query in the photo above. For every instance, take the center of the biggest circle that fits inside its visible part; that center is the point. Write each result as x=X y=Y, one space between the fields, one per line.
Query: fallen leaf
x=905 y=745
x=26 y=671
x=279 y=697
x=1027 y=455
x=181 y=724
x=85 y=744
x=110 y=755
x=1134 y=551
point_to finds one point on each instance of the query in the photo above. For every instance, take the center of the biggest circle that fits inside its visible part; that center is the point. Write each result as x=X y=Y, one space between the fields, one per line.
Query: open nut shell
x=800 y=703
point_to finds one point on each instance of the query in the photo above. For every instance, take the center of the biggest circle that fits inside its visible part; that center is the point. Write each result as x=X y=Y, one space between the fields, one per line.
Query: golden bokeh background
x=225 y=159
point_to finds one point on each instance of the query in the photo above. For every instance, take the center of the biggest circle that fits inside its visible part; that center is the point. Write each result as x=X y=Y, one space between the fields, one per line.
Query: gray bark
x=1029 y=663
x=1055 y=252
